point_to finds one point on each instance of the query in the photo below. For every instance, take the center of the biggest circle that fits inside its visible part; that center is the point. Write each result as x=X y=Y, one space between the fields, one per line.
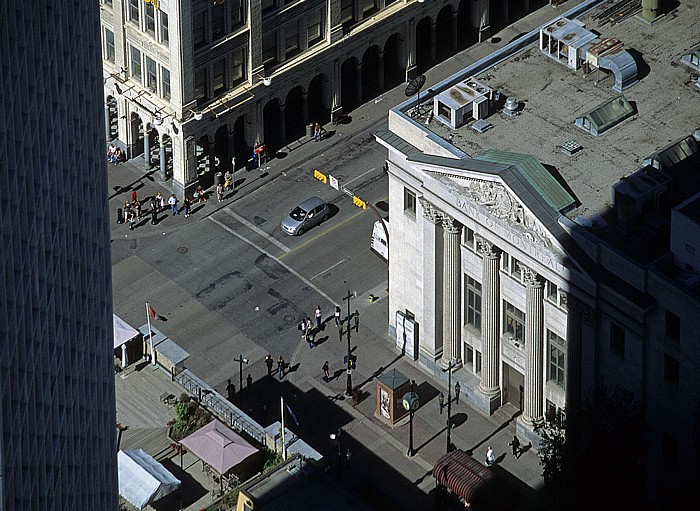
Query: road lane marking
x=277 y=259
x=322 y=233
x=358 y=177
x=328 y=269
x=255 y=228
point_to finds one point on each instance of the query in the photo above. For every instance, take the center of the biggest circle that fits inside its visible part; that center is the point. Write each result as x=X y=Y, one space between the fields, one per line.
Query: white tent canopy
x=123 y=332
x=142 y=479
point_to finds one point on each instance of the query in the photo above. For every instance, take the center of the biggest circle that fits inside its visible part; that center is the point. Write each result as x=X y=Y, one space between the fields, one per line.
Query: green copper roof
x=531 y=170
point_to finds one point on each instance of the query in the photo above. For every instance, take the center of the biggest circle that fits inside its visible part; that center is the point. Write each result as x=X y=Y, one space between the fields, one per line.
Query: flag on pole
x=294 y=417
x=152 y=312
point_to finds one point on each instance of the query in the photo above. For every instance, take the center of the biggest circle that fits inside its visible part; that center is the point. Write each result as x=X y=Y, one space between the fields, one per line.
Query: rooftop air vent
x=511 y=107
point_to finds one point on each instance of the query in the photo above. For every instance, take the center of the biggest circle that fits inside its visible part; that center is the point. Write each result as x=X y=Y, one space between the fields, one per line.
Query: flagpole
x=284 y=445
x=150 y=334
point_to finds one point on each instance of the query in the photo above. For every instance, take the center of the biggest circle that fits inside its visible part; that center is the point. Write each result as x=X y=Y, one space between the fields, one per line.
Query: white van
x=380 y=244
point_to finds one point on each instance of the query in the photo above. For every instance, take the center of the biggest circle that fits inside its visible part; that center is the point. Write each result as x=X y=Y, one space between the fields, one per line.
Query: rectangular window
x=219 y=77
x=135 y=63
x=551 y=292
x=468 y=237
x=478 y=362
x=237 y=18
x=409 y=201
x=617 y=340
x=270 y=48
x=557 y=359
x=315 y=24
x=108 y=2
x=268 y=6
x=238 y=67
x=217 y=21
x=469 y=353
x=347 y=11
x=151 y=74
x=291 y=35
x=164 y=36
x=134 y=10
x=672 y=370
x=198 y=36
x=165 y=76
x=472 y=304
x=369 y=7
x=150 y=19
x=673 y=326
x=514 y=322
x=515 y=268
x=200 y=84
x=109 y=45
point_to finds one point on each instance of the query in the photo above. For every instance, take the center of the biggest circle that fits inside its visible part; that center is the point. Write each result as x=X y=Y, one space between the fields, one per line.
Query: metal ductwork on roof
x=624 y=67
x=650 y=9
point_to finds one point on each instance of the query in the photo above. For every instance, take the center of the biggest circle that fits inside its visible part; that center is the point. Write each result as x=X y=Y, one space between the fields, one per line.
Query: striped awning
x=462 y=474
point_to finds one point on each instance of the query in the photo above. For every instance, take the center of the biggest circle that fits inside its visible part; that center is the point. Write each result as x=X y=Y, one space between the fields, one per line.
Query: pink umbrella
x=218 y=446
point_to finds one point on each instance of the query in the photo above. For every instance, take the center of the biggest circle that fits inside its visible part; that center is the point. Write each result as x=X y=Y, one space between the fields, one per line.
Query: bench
x=167 y=398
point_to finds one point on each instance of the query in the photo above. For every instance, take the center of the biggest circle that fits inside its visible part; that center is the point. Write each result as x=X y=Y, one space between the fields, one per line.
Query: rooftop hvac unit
x=464 y=101
x=511 y=107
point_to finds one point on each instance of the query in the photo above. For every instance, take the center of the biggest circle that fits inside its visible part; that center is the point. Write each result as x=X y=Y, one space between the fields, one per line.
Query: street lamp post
x=410 y=402
x=348 y=390
x=337 y=436
x=453 y=363
x=241 y=360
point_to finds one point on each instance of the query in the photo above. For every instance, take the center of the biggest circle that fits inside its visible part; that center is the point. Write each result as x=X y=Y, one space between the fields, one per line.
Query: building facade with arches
x=192 y=86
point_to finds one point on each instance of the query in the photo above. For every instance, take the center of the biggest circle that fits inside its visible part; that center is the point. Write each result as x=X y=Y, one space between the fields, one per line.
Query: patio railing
x=220 y=406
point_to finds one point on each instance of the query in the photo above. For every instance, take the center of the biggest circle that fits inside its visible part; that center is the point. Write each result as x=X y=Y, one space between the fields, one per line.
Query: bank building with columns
x=544 y=220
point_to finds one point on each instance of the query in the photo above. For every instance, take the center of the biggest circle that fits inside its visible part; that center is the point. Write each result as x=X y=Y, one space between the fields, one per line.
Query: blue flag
x=294 y=417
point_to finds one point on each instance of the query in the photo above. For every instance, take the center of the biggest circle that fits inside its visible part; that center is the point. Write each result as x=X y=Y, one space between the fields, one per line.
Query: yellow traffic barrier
x=359 y=202
x=321 y=177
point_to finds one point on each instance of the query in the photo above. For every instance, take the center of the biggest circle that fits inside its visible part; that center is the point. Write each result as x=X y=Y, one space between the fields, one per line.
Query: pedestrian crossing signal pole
x=348 y=390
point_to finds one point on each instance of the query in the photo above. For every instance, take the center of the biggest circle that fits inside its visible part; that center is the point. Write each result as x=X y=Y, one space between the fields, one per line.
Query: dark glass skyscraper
x=57 y=403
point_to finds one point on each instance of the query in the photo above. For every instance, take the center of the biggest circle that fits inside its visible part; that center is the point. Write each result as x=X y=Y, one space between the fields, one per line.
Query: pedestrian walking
x=228 y=180
x=160 y=202
x=515 y=444
x=249 y=382
x=302 y=327
x=269 y=363
x=154 y=204
x=318 y=314
x=126 y=210
x=220 y=192
x=173 y=205
x=280 y=366
x=317 y=132
x=132 y=220
x=326 y=371
x=133 y=195
x=309 y=331
x=230 y=390
x=137 y=208
x=188 y=205
x=200 y=195
x=336 y=315
x=490 y=458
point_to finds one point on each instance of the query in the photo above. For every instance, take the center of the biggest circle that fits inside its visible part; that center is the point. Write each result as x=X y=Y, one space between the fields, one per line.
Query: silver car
x=311 y=212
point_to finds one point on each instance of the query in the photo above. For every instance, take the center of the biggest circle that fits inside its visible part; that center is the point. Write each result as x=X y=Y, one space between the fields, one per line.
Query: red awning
x=462 y=474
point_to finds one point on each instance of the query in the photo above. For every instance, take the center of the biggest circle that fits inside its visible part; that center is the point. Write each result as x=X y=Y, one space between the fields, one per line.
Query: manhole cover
x=289 y=318
x=181 y=250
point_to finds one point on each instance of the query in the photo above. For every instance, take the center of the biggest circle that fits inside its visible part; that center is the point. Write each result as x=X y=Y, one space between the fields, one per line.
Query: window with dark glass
x=198 y=35
x=347 y=11
x=238 y=67
x=315 y=26
x=165 y=75
x=150 y=15
x=473 y=302
x=218 y=21
x=557 y=359
x=109 y=45
x=200 y=84
x=268 y=6
x=617 y=340
x=270 y=48
x=134 y=10
x=151 y=74
x=409 y=201
x=673 y=326
x=237 y=18
x=514 y=321
x=219 y=77
x=672 y=370
x=135 y=63
x=369 y=7
x=551 y=292
x=291 y=35
x=164 y=36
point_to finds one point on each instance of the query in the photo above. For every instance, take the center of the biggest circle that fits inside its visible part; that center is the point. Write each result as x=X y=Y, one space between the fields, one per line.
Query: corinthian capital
x=450 y=225
x=530 y=276
x=486 y=248
x=429 y=211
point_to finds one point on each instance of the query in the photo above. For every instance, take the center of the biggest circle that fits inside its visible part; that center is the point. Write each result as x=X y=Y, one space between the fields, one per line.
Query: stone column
x=490 y=320
x=212 y=155
x=431 y=345
x=231 y=151
x=146 y=148
x=358 y=90
x=108 y=127
x=162 y=158
x=380 y=78
x=534 y=348
x=433 y=42
x=411 y=70
x=574 y=327
x=451 y=292
x=305 y=107
x=283 y=125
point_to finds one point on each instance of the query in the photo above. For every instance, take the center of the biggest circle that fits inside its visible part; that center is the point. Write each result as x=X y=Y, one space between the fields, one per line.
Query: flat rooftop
x=552 y=96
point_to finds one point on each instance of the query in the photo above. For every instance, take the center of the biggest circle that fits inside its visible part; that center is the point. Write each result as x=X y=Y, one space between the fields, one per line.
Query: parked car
x=309 y=213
